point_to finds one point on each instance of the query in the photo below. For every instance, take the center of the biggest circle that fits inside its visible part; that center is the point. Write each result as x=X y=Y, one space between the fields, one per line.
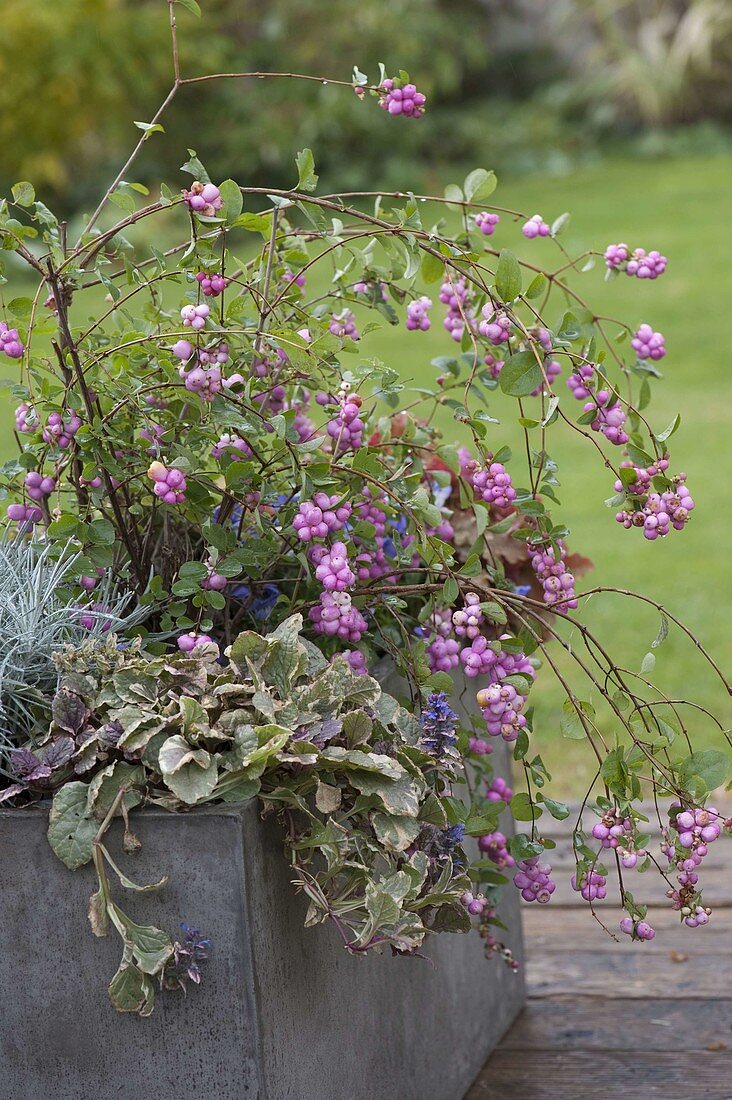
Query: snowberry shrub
x=209 y=429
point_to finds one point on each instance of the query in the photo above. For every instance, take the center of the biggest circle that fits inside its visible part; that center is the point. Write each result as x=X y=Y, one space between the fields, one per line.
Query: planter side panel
x=59 y=1035
x=334 y=1026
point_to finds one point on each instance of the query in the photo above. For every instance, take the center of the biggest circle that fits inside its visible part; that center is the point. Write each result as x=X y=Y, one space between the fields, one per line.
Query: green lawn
x=677 y=207
x=680 y=208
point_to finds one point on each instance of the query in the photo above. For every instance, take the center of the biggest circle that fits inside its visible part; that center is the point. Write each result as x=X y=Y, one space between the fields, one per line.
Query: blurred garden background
x=617 y=111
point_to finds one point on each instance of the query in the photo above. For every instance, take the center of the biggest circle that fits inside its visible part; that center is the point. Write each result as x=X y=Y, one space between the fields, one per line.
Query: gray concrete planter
x=283 y=1011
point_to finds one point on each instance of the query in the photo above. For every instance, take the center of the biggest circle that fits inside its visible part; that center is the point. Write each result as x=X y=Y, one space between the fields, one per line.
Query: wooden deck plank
x=598 y=1075
x=653 y=1020
x=576 y=1023
x=549 y=929
x=627 y=975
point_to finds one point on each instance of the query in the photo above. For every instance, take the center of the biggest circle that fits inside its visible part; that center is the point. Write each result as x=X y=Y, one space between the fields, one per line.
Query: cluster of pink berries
x=535 y=227
x=335 y=616
x=592 y=885
x=501 y=707
x=213 y=581
x=195 y=316
x=696 y=829
x=356 y=661
x=501 y=704
x=368 y=511
x=474 y=903
x=417 y=314
x=401 y=99
x=343 y=325
x=629 y=857
x=296 y=279
x=61 y=430
x=203 y=198
x=90 y=583
x=468 y=622
x=556 y=580
x=648 y=344
x=10 y=343
x=494 y=486
x=580 y=381
x=200 y=368
x=319 y=517
x=609 y=418
x=495 y=366
x=212 y=284
x=659 y=512
x=24 y=514
x=499 y=790
x=486 y=222
x=457 y=296
x=188 y=642
x=641 y=264
x=534 y=880
x=168 y=483
x=372 y=564
x=230 y=441
x=26 y=418
x=639 y=930
x=495 y=847
x=332 y=568
x=496 y=324
x=611 y=829
x=346 y=428
x=37 y=486
x=442 y=649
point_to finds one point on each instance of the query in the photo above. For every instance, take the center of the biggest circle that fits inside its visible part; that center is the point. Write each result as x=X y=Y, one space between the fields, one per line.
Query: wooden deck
x=605 y=1019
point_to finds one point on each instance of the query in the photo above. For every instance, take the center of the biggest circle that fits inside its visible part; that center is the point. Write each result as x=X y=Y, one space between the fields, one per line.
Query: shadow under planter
x=282 y=1011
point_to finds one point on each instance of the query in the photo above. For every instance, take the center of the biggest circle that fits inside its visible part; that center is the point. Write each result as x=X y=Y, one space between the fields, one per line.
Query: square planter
x=282 y=1011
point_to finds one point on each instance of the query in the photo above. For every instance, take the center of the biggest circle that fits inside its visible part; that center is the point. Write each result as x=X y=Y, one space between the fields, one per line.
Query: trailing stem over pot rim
x=208 y=440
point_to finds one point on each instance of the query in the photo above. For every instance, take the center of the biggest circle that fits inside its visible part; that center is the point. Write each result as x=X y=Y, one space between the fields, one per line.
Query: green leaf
x=450 y=591
x=508 y=276
x=559 y=810
x=669 y=431
x=479 y=184
x=662 y=633
x=648 y=663
x=537 y=286
x=521 y=374
x=709 y=765
x=238 y=786
x=123 y=200
x=23 y=193
x=233 y=200
x=570 y=724
x=106 y=785
x=150 y=128
x=191 y=774
x=191 y=5
x=559 y=223
x=130 y=990
x=523 y=809
x=431 y=267
x=307 y=179
x=151 y=947
x=454 y=196
x=522 y=846
x=71 y=829
x=395 y=832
